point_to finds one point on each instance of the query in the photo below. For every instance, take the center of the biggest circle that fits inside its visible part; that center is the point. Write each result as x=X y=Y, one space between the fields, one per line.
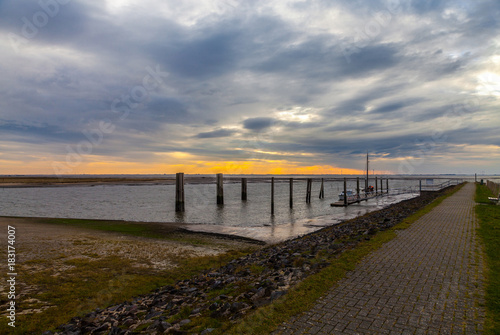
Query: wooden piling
x=322 y=189
x=308 y=190
x=243 y=189
x=272 y=195
x=220 y=189
x=376 y=186
x=179 y=192
x=345 y=192
x=381 y=186
x=291 y=192
x=357 y=187
x=420 y=185
x=387 y=186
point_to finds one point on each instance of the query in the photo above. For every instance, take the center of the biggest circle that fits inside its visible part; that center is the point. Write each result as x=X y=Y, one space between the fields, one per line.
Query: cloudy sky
x=150 y=86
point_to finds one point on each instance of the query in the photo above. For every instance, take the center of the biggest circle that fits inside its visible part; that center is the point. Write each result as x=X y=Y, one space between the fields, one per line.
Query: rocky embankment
x=242 y=285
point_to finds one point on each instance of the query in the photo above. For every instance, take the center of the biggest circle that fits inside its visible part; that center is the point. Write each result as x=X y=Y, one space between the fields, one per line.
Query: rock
x=102 y=328
x=237 y=306
x=115 y=331
x=128 y=322
x=184 y=322
x=196 y=311
x=152 y=315
x=259 y=294
x=207 y=331
x=163 y=326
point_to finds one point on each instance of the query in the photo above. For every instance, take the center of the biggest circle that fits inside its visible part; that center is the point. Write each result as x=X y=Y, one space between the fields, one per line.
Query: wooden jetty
x=358 y=198
x=219 y=181
x=354 y=200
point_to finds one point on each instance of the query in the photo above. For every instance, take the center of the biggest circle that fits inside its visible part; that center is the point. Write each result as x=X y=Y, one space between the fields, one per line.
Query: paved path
x=428 y=280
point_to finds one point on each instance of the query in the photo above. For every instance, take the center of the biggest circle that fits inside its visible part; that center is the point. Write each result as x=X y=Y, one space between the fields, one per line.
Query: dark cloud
x=423 y=7
x=11 y=130
x=208 y=56
x=258 y=123
x=216 y=133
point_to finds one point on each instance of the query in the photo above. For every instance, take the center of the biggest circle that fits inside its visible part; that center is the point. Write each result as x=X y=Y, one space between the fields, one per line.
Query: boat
x=350 y=195
x=370 y=189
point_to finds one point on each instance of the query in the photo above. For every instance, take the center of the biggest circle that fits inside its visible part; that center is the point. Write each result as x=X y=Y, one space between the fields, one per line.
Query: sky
x=285 y=87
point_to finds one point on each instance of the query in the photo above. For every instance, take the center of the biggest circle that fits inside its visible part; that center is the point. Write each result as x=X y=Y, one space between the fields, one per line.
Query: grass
x=489 y=230
x=139 y=229
x=128 y=228
x=304 y=295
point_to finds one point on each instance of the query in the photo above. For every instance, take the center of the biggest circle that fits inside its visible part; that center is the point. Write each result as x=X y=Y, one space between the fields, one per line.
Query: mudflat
x=57 y=249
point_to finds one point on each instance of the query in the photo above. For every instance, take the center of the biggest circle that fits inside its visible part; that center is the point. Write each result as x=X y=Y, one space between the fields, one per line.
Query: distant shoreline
x=54 y=181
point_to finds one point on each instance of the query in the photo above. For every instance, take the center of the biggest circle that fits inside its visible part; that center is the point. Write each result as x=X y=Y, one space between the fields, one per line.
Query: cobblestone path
x=427 y=280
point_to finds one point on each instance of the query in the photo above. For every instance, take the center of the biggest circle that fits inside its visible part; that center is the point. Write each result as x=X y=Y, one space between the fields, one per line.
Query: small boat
x=369 y=190
x=350 y=195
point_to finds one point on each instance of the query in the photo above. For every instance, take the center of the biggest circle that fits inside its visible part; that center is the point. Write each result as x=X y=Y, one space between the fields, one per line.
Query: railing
x=439 y=187
x=494 y=187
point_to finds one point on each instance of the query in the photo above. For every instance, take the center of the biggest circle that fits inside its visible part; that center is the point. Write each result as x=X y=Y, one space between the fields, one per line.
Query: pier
x=355 y=199
x=306 y=181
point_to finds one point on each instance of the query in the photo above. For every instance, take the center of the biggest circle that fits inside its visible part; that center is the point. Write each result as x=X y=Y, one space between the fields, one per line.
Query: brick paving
x=427 y=280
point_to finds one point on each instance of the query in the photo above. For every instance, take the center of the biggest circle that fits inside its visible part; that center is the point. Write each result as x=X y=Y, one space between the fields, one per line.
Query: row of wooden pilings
x=179 y=190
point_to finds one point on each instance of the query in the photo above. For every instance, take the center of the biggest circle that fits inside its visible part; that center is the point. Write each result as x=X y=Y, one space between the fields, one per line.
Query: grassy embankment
x=91 y=282
x=489 y=230
x=303 y=297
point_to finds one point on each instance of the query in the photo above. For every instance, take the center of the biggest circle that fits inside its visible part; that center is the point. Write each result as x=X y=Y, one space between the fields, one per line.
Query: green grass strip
x=138 y=229
x=489 y=231
x=304 y=295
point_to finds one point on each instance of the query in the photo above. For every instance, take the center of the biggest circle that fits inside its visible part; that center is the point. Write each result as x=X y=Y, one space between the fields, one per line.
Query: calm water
x=156 y=203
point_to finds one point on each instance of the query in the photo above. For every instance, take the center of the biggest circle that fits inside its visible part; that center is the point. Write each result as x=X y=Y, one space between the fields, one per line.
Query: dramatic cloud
x=249 y=86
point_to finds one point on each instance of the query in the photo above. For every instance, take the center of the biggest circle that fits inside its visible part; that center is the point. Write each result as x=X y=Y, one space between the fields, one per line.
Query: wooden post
x=291 y=192
x=357 y=186
x=179 y=192
x=475 y=177
x=272 y=195
x=381 y=186
x=345 y=191
x=420 y=185
x=220 y=189
x=322 y=189
x=243 y=189
x=308 y=190
x=387 y=186
x=376 y=186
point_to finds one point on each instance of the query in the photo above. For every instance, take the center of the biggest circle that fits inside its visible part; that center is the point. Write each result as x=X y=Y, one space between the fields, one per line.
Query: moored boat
x=350 y=195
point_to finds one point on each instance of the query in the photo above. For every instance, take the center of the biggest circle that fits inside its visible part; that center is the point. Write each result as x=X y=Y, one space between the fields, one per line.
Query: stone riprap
x=428 y=280
x=242 y=285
